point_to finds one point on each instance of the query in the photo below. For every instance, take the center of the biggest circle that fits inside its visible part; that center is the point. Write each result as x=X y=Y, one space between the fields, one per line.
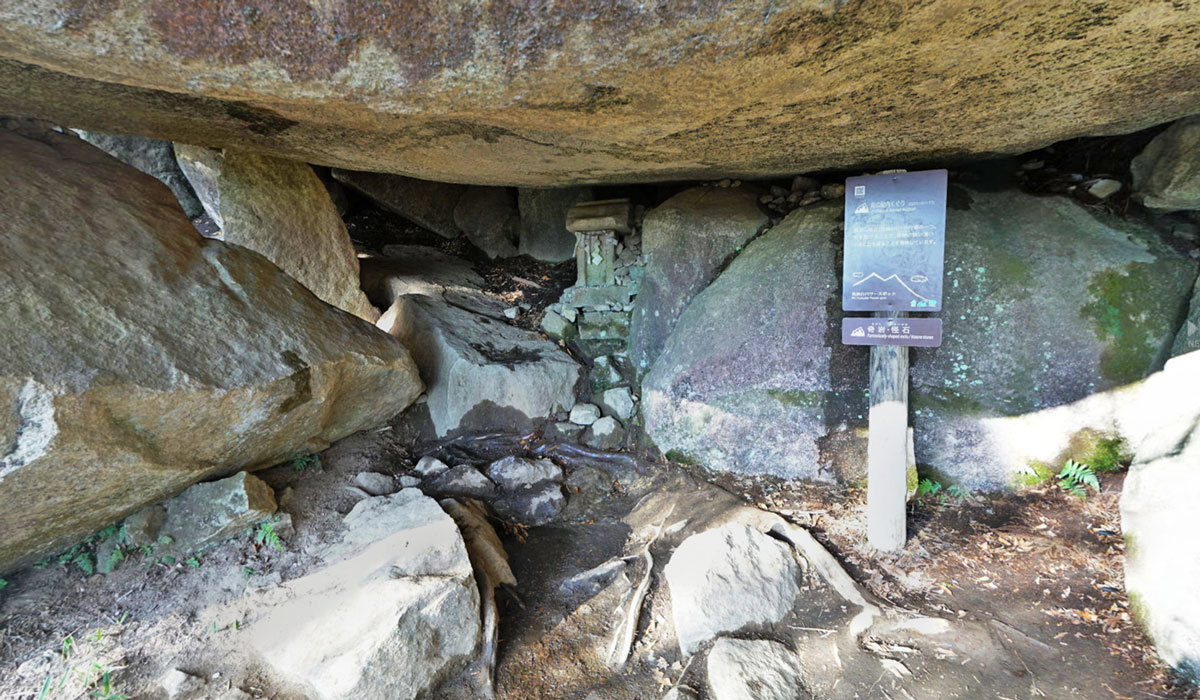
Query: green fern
x=1074 y=478
x=928 y=487
x=266 y=535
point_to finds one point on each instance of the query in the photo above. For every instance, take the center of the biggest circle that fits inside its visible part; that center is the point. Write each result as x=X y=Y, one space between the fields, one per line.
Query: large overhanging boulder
x=140 y=358
x=558 y=93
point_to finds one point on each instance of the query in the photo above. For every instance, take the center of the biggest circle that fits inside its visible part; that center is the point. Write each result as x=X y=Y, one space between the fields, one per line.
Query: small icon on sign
x=858 y=333
x=862 y=209
x=918 y=278
x=860 y=190
x=858 y=274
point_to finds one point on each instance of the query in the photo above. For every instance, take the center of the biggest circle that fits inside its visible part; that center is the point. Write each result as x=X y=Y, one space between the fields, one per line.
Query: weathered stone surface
x=430 y=466
x=617 y=403
x=513 y=472
x=430 y=204
x=584 y=414
x=740 y=383
x=1166 y=174
x=154 y=157
x=605 y=434
x=140 y=358
x=1188 y=338
x=754 y=669
x=215 y=511
x=728 y=579
x=374 y=483
x=279 y=208
x=463 y=480
x=1158 y=511
x=1046 y=304
x=393 y=613
x=558 y=327
x=481 y=373
x=685 y=241
x=415 y=269
x=493 y=94
x=489 y=218
x=544 y=233
x=537 y=505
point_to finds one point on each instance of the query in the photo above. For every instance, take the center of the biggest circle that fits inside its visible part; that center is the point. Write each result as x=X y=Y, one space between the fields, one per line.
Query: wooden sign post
x=895 y=237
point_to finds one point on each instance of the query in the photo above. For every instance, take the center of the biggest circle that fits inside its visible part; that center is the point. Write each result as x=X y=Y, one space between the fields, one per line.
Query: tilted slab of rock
x=551 y=94
x=731 y=578
x=140 y=358
x=280 y=209
x=394 y=611
x=480 y=372
x=740 y=383
x=430 y=204
x=686 y=240
x=544 y=234
x=153 y=157
x=1166 y=174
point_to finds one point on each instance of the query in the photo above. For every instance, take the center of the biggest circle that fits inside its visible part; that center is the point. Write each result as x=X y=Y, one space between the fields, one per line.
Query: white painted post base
x=887 y=473
x=888 y=445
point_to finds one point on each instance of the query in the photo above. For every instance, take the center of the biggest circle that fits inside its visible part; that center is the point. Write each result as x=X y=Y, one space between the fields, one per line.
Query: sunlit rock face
x=1053 y=314
x=606 y=91
x=140 y=358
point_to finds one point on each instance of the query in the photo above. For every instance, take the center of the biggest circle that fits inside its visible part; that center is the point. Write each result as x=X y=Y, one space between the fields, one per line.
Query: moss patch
x=1038 y=473
x=1103 y=452
x=803 y=399
x=1118 y=311
x=681 y=458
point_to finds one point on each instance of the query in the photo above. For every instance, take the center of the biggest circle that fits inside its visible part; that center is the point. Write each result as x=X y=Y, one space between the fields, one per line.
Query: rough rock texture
x=280 y=209
x=140 y=358
x=685 y=241
x=1158 y=511
x=153 y=157
x=1045 y=304
x=521 y=472
x=208 y=513
x=754 y=669
x=462 y=481
x=394 y=611
x=489 y=218
x=739 y=385
x=1166 y=174
x=553 y=94
x=430 y=204
x=728 y=579
x=544 y=233
x=1188 y=338
x=480 y=372
x=415 y=269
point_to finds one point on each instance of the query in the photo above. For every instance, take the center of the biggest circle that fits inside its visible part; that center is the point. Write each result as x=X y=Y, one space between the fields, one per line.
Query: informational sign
x=895 y=242
x=912 y=332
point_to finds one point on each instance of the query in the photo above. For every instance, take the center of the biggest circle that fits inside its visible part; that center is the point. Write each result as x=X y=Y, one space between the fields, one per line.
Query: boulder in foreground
x=140 y=358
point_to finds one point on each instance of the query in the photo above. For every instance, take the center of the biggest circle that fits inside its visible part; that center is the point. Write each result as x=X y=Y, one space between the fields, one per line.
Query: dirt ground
x=1040 y=561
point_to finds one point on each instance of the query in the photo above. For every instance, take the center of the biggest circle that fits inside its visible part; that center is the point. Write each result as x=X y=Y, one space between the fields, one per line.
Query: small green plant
x=1075 y=477
x=928 y=487
x=84 y=561
x=3 y=583
x=247 y=572
x=266 y=535
x=68 y=646
x=193 y=562
x=102 y=686
x=957 y=492
x=304 y=461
